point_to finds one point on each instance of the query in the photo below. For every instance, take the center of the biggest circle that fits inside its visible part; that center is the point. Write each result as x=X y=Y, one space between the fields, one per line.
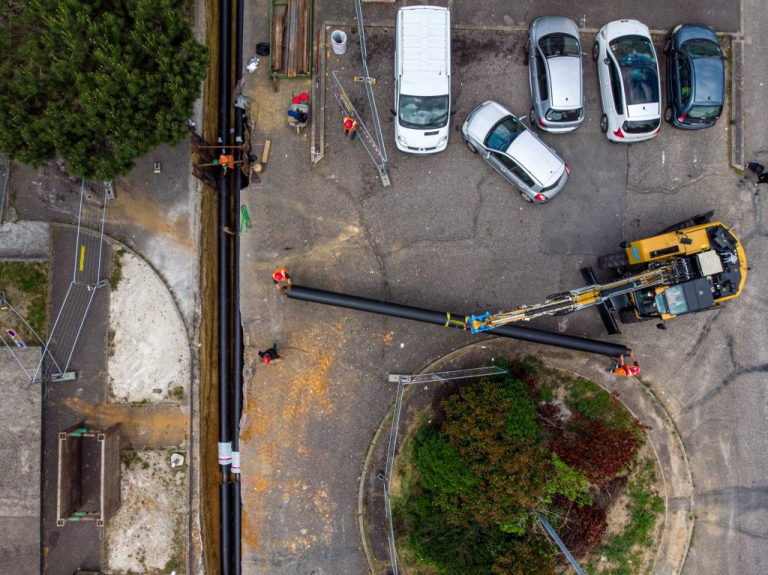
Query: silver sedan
x=515 y=152
x=556 y=79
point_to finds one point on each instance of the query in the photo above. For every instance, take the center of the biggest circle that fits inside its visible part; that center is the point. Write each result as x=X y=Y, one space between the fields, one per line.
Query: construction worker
x=623 y=370
x=226 y=162
x=350 y=127
x=282 y=280
x=269 y=355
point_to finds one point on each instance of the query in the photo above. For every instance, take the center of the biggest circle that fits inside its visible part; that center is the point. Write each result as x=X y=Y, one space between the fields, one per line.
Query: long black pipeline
x=225 y=445
x=457 y=321
x=237 y=333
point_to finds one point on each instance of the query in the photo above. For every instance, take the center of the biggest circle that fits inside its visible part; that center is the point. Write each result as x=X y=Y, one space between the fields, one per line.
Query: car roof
x=708 y=81
x=426 y=51
x=565 y=82
x=535 y=157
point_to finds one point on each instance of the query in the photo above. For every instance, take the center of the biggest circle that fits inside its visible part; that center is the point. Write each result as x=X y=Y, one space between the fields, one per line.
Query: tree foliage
x=494 y=428
x=95 y=82
x=441 y=468
x=598 y=450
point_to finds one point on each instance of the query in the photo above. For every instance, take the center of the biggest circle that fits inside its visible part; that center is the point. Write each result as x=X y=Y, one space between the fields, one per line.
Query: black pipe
x=237 y=333
x=458 y=321
x=225 y=461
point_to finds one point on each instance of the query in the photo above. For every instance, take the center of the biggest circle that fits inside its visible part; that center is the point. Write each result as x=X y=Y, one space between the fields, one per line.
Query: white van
x=422 y=79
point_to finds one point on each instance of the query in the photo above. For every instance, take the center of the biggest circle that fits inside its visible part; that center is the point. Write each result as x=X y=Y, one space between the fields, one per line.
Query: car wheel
x=668 y=114
x=532 y=117
x=471 y=147
x=667 y=46
x=604 y=124
x=526 y=197
x=526 y=49
x=595 y=52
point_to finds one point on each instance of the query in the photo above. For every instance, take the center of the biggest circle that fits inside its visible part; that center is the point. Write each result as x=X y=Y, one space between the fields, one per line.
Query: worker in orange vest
x=226 y=162
x=350 y=127
x=282 y=280
x=624 y=370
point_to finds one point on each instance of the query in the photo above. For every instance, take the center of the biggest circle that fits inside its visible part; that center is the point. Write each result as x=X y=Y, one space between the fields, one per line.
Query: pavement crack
x=668 y=191
x=368 y=235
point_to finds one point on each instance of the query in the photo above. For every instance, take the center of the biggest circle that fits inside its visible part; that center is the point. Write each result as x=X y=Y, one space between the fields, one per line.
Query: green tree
x=493 y=426
x=441 y=468
x=98 y=83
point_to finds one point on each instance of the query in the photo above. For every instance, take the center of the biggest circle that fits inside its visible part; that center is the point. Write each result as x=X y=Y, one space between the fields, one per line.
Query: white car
x=630 y=86
x=422 y=79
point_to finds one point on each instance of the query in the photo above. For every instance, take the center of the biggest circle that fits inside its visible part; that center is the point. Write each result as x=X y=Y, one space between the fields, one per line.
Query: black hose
x=455 y=320
x=237 y=333
x=225 y=407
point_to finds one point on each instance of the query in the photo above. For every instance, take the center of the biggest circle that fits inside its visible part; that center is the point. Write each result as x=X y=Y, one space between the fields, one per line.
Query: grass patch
x=129 y=457
x=26 y=286
x=624 y=551
x=117 y=269
x=592 y=402
x=178 y=393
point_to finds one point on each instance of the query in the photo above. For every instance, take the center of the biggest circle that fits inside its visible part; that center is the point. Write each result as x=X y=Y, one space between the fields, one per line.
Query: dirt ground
x=148 y=533
x=149 y=355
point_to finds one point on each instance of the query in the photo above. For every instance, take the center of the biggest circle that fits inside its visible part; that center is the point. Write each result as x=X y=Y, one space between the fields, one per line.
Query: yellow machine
x=692 y=266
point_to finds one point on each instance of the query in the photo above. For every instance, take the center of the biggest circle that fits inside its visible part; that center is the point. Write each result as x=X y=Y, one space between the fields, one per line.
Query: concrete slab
x=20 y=411
x=723 y=16
x=25 y=240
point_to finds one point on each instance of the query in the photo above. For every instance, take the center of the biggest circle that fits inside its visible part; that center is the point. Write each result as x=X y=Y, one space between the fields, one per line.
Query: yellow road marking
x=82 y=257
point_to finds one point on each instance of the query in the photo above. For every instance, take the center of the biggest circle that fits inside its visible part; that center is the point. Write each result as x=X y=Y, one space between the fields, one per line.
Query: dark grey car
x=556 y=79
x=695 y=77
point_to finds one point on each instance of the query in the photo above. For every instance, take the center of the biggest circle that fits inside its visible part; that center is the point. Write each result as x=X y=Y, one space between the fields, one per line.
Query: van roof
x=425 y=40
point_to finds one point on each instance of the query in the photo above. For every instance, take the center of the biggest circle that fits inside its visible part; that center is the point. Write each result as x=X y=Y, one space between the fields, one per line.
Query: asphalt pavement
x=449 y=234
x=75 y=545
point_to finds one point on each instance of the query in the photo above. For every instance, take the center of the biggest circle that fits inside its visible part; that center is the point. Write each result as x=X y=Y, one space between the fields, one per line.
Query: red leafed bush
x=600 y=452
x=584 y=528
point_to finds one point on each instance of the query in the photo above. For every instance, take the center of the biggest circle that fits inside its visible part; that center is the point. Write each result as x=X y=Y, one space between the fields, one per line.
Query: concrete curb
x=663 y=438
x=736 y=104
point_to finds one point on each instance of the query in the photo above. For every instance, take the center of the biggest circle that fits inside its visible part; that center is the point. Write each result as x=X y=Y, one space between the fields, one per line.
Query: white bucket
x=339 y=41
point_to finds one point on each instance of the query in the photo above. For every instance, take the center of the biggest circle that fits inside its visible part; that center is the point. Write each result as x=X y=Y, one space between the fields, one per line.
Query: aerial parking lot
x=451 y=234
x=385 y=287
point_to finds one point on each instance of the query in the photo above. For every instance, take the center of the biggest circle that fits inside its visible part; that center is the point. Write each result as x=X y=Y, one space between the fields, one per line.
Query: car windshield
x=563 y=115
x=640 y=126
x=702 y=49
x=704 y=112
x=423 y=112
x=638 y=69
x=672 y=301
x=559 y=45
x=504 y=133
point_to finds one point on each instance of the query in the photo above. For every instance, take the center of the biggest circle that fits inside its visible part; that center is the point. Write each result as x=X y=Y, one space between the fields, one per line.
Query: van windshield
x=423 y=112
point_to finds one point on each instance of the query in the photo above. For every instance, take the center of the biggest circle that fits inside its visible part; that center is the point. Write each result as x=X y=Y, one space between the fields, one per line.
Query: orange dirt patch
x=151 y=216
x=142 y=426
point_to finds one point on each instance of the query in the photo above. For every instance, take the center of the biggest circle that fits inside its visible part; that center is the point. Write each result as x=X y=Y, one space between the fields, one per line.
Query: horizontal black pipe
x=454 y=320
